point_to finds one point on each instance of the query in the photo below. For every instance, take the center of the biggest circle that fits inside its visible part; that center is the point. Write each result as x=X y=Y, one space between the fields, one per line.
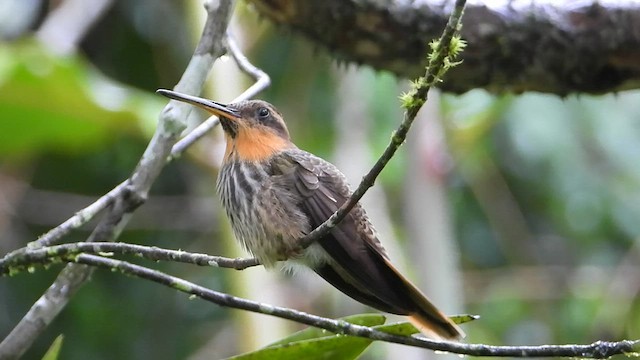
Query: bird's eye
x=263 y=112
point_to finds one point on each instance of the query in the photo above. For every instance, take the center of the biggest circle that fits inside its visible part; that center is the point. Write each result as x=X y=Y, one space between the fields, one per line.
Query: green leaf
x=407 y=329
x=335 y=347
x=54 y=349
x=314 y=333
x=401 y=328
x=313 y=343
x=463 y=318
x=51 y=102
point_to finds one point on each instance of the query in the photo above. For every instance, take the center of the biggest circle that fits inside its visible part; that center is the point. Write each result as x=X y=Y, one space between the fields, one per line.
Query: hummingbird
x=275 y=193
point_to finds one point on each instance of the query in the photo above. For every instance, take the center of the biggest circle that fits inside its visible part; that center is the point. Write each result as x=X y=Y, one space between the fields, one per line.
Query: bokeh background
x=523 y=208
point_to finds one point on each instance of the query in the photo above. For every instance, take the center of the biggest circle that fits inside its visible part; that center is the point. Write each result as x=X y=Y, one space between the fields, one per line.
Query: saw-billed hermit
x=274 y=194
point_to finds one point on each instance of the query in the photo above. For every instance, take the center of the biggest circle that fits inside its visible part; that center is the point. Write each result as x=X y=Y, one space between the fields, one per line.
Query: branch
x=126 y=197
x=543 y=45
x=69 y=253
x=596 y=350
x=24 y=259
x=262 y=81
x=413 y=102
x=163 y=146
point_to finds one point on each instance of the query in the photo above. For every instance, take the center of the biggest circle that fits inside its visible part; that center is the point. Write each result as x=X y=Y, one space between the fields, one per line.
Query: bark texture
x=559 y=47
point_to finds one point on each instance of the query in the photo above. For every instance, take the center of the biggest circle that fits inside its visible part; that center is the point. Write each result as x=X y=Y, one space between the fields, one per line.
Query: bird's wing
x=360 y=266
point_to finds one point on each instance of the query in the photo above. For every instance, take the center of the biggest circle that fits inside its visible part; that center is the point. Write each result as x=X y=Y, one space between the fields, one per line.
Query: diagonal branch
x=597 y=350
x=262 y=81
x=437 y=65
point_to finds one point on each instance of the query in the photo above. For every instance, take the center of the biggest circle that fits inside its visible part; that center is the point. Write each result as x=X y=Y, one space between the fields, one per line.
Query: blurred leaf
x=51 y=102
x=402 y=328
x=406 y=328
x=54 y=349
x=463 y=318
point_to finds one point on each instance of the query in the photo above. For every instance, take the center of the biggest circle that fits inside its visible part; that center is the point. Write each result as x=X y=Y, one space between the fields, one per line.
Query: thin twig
x=262 y=81
x=68 y=253
x=597 y=350
x=79 y=219
x=25 y=258
x=436 y=65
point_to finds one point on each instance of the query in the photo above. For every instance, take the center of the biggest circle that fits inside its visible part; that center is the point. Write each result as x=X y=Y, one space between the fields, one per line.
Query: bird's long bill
x=211 y=106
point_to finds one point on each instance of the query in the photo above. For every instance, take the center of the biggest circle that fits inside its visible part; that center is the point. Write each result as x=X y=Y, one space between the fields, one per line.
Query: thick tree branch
x=539 y=45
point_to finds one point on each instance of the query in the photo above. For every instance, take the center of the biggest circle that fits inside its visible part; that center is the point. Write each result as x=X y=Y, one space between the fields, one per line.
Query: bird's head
x=254 y=129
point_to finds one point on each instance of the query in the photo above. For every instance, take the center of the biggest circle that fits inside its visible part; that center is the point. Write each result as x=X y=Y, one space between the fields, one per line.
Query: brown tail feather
x=428 y=319
x=436 y=331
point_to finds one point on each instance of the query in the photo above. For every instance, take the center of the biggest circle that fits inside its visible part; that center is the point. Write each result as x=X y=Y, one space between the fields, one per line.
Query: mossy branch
x=444 y=52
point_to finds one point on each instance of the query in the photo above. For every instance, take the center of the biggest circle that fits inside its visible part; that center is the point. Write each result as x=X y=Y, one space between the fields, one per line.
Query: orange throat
x=254 y=145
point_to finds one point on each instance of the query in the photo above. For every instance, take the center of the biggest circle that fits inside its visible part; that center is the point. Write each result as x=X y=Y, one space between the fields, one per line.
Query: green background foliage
x=544 y=192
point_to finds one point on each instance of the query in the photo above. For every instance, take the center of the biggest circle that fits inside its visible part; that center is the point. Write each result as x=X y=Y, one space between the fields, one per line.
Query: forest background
x=522 y=208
